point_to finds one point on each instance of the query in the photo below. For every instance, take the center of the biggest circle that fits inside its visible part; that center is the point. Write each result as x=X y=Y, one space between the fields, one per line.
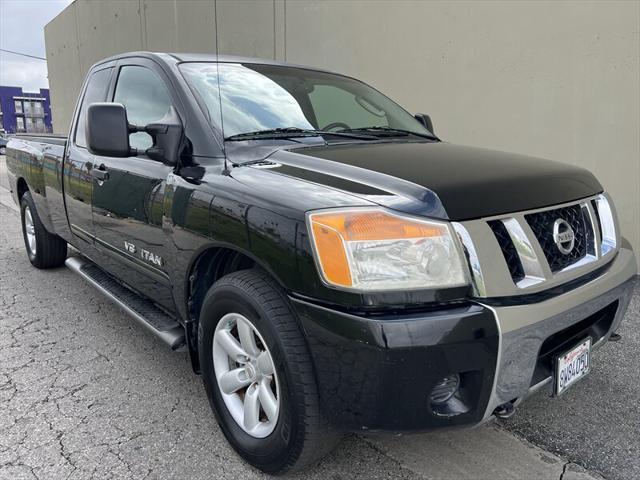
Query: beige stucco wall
x=559 y=80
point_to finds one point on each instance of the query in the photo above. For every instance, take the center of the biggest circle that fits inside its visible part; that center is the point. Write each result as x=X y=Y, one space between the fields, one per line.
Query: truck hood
x=439 y=180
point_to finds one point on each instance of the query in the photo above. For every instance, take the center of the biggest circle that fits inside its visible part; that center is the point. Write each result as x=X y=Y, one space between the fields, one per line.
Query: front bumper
x=376 y=373
x=599 y=304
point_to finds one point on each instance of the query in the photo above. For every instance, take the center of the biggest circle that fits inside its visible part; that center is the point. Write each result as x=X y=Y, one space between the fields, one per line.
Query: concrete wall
x=559 y=80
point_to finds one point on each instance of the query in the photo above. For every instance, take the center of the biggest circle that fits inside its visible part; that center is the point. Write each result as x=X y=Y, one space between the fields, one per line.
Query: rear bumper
x=377 y=373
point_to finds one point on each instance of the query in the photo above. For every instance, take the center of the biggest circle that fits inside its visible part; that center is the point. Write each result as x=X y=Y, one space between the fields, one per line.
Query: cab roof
x=173 y=58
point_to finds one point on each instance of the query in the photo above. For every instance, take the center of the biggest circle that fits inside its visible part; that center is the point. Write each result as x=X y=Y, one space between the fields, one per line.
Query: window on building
x=18 y=105
x=96 y=91
x=37 y=108
x=146 y=98
x=20 y=124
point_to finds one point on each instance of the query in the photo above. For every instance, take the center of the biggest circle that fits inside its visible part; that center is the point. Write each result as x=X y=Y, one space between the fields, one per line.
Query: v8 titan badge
x=145 y=255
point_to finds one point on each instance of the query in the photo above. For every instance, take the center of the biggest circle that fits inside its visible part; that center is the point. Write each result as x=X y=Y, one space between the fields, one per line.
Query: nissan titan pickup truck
x=326 y=261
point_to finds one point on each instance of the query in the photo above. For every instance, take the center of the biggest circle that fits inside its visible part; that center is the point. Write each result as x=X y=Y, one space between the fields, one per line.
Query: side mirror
x=167 y=138
x=107 y=130
x=425 y=120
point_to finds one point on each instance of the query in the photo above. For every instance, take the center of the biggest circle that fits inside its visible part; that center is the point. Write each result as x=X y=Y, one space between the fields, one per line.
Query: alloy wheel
x=30 y=230
x=246 y=376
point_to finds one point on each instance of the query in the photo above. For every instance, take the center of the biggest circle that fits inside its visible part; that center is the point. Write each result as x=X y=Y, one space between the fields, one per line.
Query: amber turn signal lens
x=331 y=255
x=375 y=225
x=333 y=231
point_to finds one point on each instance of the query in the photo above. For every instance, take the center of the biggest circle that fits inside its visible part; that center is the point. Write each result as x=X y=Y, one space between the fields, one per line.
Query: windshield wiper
x=387 y=132
x=291 y=132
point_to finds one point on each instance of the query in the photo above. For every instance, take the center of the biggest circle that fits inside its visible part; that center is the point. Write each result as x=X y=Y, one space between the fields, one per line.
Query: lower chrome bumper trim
x=524 y=328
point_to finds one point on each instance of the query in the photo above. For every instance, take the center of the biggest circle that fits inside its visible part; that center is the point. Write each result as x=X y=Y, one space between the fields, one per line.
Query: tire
x=300 y=434
x=3 y=150
x=44 y=249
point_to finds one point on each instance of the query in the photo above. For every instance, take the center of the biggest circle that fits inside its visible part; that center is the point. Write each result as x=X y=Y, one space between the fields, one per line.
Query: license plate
x=573 y=365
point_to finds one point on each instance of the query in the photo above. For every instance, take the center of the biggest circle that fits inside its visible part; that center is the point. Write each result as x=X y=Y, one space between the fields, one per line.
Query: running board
x=143 y=310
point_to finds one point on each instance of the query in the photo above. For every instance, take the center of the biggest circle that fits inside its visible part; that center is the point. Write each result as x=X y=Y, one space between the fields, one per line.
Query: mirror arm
x=155 y=153
x=151 y=129
x=155 y=129
x=152 y=152
x=167 y=134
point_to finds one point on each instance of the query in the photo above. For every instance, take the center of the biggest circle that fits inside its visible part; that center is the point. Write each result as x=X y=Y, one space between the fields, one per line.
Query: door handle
x=101 y=174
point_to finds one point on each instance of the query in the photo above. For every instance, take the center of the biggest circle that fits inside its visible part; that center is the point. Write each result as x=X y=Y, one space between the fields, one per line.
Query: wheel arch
x=21 y=188
x=211 y=264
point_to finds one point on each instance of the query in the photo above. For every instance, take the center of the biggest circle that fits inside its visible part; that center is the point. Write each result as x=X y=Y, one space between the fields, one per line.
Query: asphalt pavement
x=87 y=393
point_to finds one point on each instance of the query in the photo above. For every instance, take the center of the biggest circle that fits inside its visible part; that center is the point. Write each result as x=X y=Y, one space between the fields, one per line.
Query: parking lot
x=86 y=393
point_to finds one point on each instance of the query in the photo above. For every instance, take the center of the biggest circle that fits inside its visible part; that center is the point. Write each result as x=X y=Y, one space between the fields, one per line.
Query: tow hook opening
x=506 y=410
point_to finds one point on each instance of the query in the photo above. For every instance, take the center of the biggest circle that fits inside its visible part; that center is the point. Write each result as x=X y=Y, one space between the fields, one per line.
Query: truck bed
x=46 y=138
x=38 y=160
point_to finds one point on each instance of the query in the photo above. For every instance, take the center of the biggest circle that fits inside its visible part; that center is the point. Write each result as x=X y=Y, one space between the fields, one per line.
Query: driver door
x=128 y=198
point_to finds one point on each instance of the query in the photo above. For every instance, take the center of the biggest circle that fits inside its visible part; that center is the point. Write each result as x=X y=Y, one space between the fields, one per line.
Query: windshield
x=267 y=97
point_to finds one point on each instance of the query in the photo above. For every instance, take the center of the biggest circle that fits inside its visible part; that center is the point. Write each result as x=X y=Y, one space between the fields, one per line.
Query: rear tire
x=301 y=435
x=44 y=249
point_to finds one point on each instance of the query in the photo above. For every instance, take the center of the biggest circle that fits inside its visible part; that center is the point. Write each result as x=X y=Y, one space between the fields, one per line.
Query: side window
x=332 y=104
x=146 y=98
x=96 y=91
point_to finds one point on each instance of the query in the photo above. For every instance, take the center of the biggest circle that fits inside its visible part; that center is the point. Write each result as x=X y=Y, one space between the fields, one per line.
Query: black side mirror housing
x=108 y=133
x=425 y=120
x=167 y=138
x=107 y=130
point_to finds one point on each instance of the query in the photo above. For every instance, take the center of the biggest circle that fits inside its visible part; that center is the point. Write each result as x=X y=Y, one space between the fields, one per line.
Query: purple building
x=25 y=111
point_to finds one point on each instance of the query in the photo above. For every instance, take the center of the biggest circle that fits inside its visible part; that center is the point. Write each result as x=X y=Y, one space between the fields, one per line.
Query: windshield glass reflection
x=259 y=97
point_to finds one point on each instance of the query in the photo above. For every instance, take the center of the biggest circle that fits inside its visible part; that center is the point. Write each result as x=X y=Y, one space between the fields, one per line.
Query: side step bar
x=143 y=310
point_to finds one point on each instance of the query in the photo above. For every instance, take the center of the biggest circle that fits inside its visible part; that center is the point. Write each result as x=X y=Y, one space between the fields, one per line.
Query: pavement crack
x=564 y=470
x=66 y=455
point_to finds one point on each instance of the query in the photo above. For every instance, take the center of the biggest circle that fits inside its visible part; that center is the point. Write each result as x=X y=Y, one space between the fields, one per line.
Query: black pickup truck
x=328 y=263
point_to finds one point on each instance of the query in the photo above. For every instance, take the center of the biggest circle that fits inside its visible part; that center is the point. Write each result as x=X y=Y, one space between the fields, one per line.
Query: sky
x=22 y=30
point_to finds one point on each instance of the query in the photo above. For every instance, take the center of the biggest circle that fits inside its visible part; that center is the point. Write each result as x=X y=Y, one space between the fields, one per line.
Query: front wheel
x=44 y=249
x=3 y=150
x=258 y=374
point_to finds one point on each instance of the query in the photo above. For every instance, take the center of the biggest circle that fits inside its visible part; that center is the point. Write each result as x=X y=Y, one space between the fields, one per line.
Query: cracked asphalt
x=86 y=393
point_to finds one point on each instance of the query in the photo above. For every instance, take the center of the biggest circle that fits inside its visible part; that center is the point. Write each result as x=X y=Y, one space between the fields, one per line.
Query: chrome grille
x=594 y=205
x=541 y=224
x=508 y=250
x=515 y=253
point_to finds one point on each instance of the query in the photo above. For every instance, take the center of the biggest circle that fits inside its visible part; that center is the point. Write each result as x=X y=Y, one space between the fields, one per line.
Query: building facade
x=25 y=112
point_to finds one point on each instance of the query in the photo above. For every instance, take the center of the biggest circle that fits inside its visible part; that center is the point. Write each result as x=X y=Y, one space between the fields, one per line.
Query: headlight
x=607 y=224
x=371 y=249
